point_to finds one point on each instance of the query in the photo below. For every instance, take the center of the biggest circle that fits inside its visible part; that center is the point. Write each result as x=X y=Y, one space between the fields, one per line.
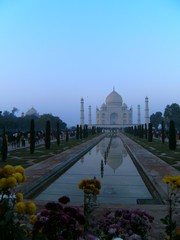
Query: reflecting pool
x=109 y=162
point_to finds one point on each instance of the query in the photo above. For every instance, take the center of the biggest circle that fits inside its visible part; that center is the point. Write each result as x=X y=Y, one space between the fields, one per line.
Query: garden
x=20 y=219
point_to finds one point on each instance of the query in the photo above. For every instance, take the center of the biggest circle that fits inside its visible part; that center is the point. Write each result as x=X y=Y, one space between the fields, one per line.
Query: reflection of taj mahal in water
x=114 y=112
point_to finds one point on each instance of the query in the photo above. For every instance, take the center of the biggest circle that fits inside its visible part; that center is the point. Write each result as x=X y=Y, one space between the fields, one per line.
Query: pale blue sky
x=54 y=52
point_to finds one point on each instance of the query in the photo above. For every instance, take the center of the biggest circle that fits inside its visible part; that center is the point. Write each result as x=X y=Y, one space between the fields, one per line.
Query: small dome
x=32 y=112
x=103 y=106
x=114 y=98
x=124 y=106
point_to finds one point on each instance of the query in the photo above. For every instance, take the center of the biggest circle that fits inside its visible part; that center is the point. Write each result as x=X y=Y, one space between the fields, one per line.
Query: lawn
x=161 y=150
x=23 y=157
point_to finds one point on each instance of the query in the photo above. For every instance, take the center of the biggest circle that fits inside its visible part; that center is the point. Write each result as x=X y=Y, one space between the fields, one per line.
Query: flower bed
x=59 y=220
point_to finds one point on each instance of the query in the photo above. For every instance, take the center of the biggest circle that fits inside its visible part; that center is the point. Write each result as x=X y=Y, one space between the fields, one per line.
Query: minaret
x=146 y=111
x=82 y=112
x=89 y=117
x=139 y=115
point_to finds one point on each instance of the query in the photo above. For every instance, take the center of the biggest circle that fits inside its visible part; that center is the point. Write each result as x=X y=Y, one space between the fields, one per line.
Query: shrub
x=126 y=224
x=58 y=221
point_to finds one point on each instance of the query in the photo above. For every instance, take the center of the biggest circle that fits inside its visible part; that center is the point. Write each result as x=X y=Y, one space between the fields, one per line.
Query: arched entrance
x=114 y=118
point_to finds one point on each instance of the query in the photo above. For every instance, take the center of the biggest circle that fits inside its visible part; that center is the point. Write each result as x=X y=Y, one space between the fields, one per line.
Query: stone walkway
x=151 y=167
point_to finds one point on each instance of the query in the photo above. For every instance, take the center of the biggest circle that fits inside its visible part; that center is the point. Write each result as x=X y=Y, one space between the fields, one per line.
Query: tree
x=156 y=119
x=80 y=132
x=135 y=131
x=48 y=135
x=58 y=134
x=77 y=131
x=172 y=112
x=32 y=136
x=150 y=134
x=22 y=123
x=142 y=131
x=14 y=110
x=172 y=136
x=162 y=132
x=67 y=135
x=145 y=131
x=4 y=148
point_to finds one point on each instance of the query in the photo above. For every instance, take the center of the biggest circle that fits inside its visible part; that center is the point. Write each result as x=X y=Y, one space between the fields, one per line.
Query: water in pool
x=120 y=180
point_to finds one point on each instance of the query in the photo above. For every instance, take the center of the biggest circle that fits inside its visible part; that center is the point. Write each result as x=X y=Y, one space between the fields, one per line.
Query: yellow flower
x=167 y=179
x=18 y=176
x=8 y=170
x=92 y=187
x=30 y=207
x=20 y=207
x=11 y=182
x=3 y=182
x=32 y=219
x=80 y=185
x=173 y=181
x=87 y=191
x=19 y=169
x=19 y=197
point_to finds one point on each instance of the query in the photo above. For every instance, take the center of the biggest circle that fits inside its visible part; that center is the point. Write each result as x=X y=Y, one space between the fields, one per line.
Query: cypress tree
x=4 y=147
x=162 y=132
x=142 y=131
x=77 y=132
x=48 y=135
x=145 y=131
x=67 y=135
x=80 y=132
x=135 y=131
x=32 y=136
x=172 y=136
x=86 y=131
x=139 y=130
x=58 y=134
x=150 y=134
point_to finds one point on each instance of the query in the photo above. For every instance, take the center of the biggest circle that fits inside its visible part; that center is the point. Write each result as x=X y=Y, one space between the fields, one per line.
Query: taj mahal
x=114 y=112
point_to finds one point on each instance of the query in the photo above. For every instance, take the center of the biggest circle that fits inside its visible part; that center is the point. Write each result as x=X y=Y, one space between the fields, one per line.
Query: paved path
x=150 y=166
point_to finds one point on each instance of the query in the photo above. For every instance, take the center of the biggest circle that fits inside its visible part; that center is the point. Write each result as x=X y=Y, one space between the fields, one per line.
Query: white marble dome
x=114 y=98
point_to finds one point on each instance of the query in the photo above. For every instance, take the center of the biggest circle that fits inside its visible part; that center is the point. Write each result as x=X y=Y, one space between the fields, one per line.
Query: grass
x=23 y=157
x=161 y=150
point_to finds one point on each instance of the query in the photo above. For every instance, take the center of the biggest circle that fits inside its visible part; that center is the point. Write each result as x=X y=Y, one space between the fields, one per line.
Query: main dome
x=114 y=98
